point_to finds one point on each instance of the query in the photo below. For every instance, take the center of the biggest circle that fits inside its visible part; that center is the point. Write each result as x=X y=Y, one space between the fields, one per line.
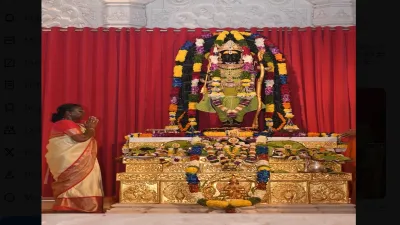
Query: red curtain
x=124 y=78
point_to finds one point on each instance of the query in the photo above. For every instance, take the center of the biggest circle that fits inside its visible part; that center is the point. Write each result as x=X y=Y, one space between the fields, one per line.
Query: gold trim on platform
x=149 y=181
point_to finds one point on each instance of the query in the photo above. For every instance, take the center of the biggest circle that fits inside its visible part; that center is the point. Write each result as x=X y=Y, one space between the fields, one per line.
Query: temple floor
x=176 y=214
x=201 y=219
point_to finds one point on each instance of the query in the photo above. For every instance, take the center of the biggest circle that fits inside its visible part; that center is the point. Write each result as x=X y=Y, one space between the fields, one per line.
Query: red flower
x=246 y=51
x=270 y=76
x=191 y=113
x=204 y=66
x=269 y=115
x=284 y=89
x=261 y=186
x=195 y=75
x=193 y=188
x=175 y=91
x=194 y=157
x=262 y=157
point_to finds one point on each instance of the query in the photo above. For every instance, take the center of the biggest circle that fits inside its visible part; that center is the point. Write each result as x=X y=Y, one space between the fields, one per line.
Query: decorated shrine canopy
x=194 y=61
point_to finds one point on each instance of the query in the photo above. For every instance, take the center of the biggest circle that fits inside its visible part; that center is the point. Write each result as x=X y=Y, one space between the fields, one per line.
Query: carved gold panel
x=329 y=192
x=176 y=192
x=290 y=176
x=288 y=193
x=335 y=167
x=319 y=144
x=144 y=168
x=140 y=161
x=139 y=192
x=217 y=168
x=332 y=176
x=150 y=144
x=218 y=189
x=136 y=177
x=288 y=167
x=174 y=168
x=172 y=177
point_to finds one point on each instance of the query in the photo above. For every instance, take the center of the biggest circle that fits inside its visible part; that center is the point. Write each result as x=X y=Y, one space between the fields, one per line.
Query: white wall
x=197 y=13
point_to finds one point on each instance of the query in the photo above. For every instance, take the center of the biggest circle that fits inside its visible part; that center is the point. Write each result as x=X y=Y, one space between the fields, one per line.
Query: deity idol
x=229 y=88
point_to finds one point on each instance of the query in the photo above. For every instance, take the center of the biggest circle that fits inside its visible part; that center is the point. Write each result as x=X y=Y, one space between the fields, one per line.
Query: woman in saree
x=72 y=161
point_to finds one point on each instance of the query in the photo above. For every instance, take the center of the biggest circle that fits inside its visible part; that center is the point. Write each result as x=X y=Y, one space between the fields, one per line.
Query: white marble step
x=262 y=208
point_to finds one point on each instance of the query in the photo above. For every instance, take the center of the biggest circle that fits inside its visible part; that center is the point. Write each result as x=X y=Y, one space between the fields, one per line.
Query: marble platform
x=200 y=219
x=258 y=209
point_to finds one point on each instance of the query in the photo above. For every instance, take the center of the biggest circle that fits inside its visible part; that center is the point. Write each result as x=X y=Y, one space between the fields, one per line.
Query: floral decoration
x=275 y=80
x=193 y=167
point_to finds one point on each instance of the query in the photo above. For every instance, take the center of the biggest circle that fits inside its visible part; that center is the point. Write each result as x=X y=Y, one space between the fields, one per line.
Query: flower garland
x=230 y=205
x=193 y=168
x=284 y=88
x=177 y=84
x=263 y=168
x=275 y=66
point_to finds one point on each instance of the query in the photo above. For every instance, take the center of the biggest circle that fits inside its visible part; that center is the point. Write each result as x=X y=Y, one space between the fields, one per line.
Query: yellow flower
x=221 y=36
x=178 y=71
x=246 y=33
x=271 y=67
x=193 y=123
x=192 y=169
x=127 y=137
x=217 y=203
x=216 y=78
x=246 y=80
x=192 y=105
x=324 y=135
x=215 y=84
x=197 y=67
x=245 y=84
x=225 y=32
x=238 y=36
x=192 y=119
x=240 y=203
x=334 y=135
x=263 y=168
x=206 y=55
x=282 y=68
x=270 y=108
x=180 y=57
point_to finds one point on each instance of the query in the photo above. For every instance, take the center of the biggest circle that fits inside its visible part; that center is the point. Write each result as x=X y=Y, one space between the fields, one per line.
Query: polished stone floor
x=200 y=219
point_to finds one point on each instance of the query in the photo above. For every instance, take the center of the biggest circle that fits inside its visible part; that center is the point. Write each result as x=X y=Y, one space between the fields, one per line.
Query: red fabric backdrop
x=124 y=78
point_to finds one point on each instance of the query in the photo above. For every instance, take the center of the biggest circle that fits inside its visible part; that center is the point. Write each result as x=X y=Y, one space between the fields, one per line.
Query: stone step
x=262 y=208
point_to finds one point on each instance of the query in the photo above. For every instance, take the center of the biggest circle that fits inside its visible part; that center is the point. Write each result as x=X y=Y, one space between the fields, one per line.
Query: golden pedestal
x=149 y=181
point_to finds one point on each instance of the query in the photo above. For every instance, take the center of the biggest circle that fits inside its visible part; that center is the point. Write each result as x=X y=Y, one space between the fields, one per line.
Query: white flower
x=262 y=163
x=261 y=139
x=269 y=83
x=195 y=82
x=247 y=59
x=259 y=193
x=199 y=42
x=197 y=195
x=214 y=59
x=259 y=42
x=215 y=50
x=196 y=140
x=195 y=163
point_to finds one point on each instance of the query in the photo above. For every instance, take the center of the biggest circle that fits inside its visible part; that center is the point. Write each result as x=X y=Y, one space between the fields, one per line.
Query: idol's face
x=230 y=57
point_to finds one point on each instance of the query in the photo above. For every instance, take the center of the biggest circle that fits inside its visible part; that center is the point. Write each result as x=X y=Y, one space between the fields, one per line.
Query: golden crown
x=229 y=46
